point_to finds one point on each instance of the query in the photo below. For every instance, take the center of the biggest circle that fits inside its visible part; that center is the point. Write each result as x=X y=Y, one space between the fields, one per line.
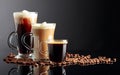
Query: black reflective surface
x=103 y=69
x=39 y=70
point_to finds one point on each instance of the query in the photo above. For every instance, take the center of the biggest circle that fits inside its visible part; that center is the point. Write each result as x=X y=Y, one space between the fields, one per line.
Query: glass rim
x=14 y=13
x=36 y=24
x=40 y=26
x=29 y=12
x=58 y=41
x=25 y=11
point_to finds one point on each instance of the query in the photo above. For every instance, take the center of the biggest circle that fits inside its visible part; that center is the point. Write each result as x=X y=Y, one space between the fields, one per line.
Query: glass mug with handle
x=23 y=24
x=13 y=43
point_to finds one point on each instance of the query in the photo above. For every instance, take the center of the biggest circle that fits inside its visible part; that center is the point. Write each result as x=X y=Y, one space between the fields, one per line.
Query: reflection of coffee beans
x=57 y=51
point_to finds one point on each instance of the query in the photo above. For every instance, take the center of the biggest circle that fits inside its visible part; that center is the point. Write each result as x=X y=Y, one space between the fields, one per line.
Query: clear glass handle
x=12 y=71
x=11 y=37
x=19 y=70
x=23 y=40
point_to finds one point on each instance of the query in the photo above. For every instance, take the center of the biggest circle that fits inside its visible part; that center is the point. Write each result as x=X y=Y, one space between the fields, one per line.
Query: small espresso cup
x=57 y=50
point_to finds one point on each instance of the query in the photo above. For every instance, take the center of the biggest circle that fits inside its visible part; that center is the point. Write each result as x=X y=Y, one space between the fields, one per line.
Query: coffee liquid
x=24 y=27
x=57 y=51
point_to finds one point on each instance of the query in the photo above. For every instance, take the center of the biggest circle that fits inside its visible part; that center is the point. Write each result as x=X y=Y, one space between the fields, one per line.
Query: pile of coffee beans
x=88 y=60
x=71 y=59
x=11 y=59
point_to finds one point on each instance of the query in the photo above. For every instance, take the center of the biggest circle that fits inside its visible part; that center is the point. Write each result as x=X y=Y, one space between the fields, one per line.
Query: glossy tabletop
x=103 y=69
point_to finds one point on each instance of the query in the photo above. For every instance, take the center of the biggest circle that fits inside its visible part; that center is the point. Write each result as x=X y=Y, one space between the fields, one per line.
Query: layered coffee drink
x=23 y=24
x=42 y=32
x=57 y=50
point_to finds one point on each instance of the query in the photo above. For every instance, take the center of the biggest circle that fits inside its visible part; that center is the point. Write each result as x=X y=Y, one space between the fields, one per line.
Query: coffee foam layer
x=25 y=14
x=44 y=26
x=58 y=42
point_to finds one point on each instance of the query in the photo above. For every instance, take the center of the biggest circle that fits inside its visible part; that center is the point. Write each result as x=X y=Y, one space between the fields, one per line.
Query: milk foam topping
x=44 y=25
x=25 y=14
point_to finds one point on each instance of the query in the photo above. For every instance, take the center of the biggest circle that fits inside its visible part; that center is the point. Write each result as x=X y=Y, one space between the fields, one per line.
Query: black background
x=91 y=26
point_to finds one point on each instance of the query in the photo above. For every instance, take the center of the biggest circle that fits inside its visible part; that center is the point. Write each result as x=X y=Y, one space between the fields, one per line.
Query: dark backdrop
x=91 y=26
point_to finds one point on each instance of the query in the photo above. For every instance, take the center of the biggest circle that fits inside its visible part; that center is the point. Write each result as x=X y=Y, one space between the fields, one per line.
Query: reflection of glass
x=49 y=70
x=23 y=24
x=41 y=70
x=37 y=70
x=21 y=70
x=59 y=70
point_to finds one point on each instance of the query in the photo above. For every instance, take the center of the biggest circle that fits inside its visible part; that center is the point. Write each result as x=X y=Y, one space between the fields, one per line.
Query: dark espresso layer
x=24 y=27
x=57 y=51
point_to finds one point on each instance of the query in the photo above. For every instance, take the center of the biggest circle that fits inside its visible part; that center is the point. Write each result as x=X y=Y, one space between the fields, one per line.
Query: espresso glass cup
x=57 y=50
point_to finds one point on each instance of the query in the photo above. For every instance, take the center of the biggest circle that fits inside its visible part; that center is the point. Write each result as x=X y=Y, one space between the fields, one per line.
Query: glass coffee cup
x=57 y=50
x=45 y=31
x=23 y=24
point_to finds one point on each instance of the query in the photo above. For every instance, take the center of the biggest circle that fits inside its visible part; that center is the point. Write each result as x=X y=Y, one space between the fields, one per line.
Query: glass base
x=24 y=56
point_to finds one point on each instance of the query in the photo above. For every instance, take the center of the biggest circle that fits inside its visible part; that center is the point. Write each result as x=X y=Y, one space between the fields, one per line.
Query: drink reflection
x=39 y=70
x=21 y=70
x=59 y=70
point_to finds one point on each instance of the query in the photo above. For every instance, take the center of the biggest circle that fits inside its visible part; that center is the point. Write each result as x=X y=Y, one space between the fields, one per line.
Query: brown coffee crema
x=58 y=41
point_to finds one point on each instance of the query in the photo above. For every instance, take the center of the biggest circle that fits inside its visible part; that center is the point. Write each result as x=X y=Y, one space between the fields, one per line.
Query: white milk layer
x=25 y=14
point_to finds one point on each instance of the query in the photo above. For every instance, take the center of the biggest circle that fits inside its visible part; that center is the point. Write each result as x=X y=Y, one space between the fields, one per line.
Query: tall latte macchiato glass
x=23 y=24
x=45 y=32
